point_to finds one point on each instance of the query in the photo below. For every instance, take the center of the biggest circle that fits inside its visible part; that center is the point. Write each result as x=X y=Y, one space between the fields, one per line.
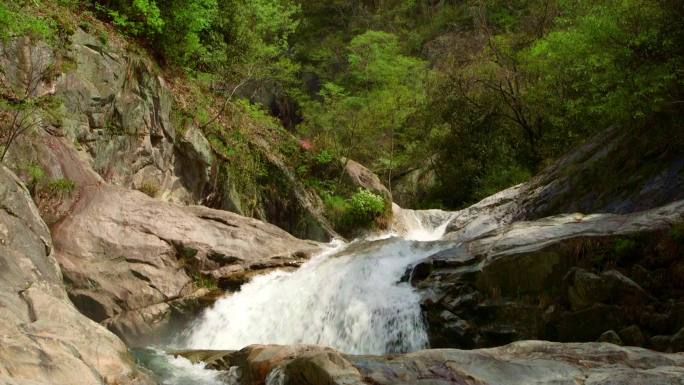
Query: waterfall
x=349 y=297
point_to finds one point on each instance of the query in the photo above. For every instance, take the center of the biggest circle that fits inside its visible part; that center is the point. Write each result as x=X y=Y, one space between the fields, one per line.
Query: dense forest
x=467 y=96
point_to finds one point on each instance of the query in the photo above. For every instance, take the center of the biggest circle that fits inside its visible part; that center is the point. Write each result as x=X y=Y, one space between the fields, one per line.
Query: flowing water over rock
x=349 y=298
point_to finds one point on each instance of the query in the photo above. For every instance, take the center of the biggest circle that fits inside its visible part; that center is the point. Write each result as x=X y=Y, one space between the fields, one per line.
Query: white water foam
x=348 y=298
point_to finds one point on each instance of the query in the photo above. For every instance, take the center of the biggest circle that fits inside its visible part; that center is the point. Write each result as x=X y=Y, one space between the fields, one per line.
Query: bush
x=61 y=187
x=149 y=188
x=356 y=213
x=365 y=206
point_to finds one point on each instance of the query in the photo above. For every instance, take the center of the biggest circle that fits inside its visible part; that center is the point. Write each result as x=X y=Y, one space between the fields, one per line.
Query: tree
x=364 y=112
x=19 y=102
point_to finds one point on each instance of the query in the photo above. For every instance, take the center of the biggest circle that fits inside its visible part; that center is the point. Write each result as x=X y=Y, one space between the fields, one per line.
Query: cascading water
x=348 y=298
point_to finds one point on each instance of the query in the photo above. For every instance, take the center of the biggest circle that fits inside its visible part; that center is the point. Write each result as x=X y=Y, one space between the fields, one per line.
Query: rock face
x=111 y=122
x=43 y=338
x=131 y=261
x=522 y=363
x=564 y=278
x=602 y=176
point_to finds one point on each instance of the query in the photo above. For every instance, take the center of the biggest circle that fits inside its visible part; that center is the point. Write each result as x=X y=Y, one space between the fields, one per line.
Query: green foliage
x=623 y=246
x=16 y=20
x=616 y=62
x=363 y=114
x=360 y=211
x=136 y=17
x=677 y=233
x=60 y=187
x=35 y=176
x=224 y=36
x=323 y=157
x=365 y=206
x=203 y=281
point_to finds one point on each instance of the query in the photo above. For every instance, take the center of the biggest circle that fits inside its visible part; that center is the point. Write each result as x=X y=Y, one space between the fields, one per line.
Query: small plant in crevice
x=60 y=188
x=150 y=189
x=202 y=281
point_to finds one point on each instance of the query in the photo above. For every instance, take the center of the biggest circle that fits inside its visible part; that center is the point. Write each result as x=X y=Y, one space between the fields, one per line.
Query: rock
x=131 y=260
x=677 y=341
x=358 y=175
x=325 y=368
x=113 y=126
x=530 y=285
x=528 y=362
x=611 y=337
x=412 y=187
x=610 y=287
x=632 y=336
x=660 y=343
x=43 y=338
x=411 y=224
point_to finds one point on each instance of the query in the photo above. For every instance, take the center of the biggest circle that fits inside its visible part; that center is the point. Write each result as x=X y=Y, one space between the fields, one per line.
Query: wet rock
x=528 y=362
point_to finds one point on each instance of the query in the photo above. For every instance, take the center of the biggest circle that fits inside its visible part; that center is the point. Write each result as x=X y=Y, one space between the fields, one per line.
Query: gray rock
x=43 y=338
x=358 y=175
x=611 y=337
x=677 y=341
x=632 y=335
x=521 y=363
x=529 y=285
x=609 y=287
x=131 y=260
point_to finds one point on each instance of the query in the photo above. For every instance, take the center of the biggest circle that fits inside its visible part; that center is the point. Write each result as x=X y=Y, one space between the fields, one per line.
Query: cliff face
x=109 y=120
x=45 y=340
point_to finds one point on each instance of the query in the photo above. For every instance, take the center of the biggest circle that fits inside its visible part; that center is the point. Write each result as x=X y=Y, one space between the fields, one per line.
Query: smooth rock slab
x=520 y=363
x=130 y=259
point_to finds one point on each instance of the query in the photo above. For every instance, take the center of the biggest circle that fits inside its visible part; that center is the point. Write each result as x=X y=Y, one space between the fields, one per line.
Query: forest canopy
x=472 y=96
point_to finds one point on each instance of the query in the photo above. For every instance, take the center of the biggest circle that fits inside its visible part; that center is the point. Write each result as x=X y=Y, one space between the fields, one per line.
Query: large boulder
x=359 y=176
x=522 y=363
x=43 y=338
x=564 y=278
x=131 y=261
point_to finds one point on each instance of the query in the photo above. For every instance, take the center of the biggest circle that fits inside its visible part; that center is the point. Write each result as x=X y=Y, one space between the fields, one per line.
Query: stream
x=353 y=297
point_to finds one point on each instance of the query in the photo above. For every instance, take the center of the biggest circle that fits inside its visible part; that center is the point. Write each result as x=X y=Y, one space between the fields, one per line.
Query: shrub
x=61 y=187
x=149 y=188
x=203 y=281
x=324 y=157
x=358 y=212
x=365 y=206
